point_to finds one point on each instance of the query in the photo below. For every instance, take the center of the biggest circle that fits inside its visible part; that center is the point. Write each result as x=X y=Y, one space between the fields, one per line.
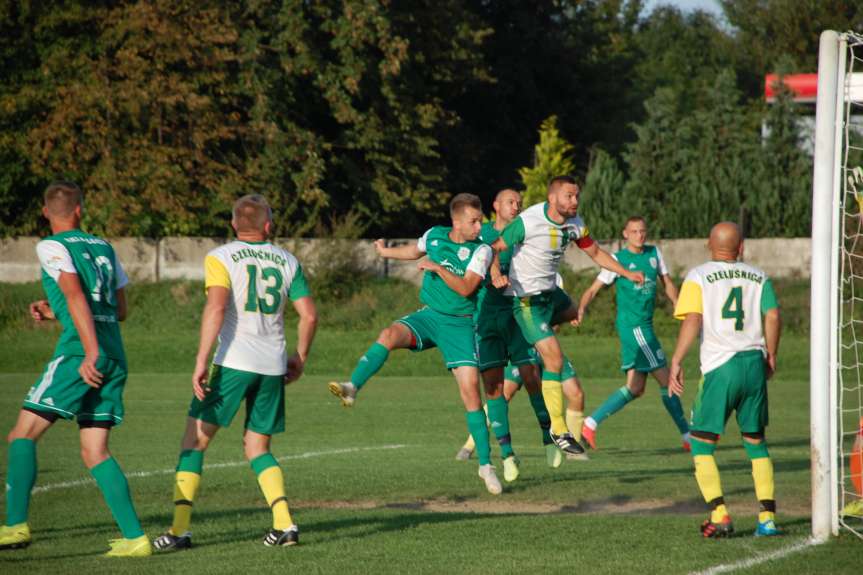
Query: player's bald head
x=505 y=194
x=725 y=238
x=61 y=199
x=251 y=213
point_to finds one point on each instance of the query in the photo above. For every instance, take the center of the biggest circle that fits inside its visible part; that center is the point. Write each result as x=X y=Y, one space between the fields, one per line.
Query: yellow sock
x=552 y=394
x=707 y=476
x=185 y=486
x=762 y=475
x=574 y=421
x=469 y=444
x=273 y=486
x=719 y=514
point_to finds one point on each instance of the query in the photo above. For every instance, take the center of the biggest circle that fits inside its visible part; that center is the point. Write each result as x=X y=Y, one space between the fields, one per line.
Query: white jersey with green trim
x=260 y=277
x=731 y=298
x=538 y=246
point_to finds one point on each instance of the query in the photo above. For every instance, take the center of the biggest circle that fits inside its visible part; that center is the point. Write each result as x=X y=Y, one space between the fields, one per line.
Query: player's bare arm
x=689 y=330
x=40 y=310
x=605 y=260
x=670 y=289
x=498 y=279
x=122 y=305
x=585 y=300
x=306 y=327
x=463 y=286
x=82 y=317
x=772 y=332
x=408 y=251
x=211 y=324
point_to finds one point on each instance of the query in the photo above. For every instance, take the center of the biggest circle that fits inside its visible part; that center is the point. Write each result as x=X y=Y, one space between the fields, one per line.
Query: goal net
x=848 y=452
x=836 y=328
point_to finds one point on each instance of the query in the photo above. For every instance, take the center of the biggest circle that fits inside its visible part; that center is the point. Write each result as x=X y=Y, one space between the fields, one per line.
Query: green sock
x=191 y=460
x=20 y=478
x=115 y=489
x=615 y=402
x=498 y=415
x=675 y=410
x=369 y=364
x=479 y=431
x=538 y=405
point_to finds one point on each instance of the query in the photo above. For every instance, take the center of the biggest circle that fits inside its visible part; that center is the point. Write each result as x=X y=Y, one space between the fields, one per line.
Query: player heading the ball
x=539 y=237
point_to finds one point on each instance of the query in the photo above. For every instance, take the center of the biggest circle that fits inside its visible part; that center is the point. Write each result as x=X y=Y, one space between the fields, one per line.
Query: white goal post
x=836 y=347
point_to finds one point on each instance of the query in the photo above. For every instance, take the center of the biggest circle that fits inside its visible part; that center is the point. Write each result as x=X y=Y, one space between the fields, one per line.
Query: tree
x=784 y=206
x=604 y=203
x=551 y=158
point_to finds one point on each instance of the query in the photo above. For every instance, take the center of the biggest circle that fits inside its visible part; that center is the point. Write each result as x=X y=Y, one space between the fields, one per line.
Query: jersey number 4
x=272 y=279
x=733 y=308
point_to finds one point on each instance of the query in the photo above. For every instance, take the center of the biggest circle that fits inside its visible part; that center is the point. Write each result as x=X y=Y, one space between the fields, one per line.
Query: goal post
x=836 y=322
x=822 y=334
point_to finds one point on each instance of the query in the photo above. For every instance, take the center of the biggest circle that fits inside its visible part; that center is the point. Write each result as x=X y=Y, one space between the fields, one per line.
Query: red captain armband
x=585 y=242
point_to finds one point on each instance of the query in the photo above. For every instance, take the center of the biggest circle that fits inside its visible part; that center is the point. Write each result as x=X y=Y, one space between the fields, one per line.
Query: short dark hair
x=632 y=219
x=503 y=191
x=560 y=180
x=461 y=201
x=62 y=197
x=251 y=212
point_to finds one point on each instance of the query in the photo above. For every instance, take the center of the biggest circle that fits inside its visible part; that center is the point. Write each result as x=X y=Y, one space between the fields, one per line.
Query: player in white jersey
x=248 y=283
x=539 y=237
x=734 y=307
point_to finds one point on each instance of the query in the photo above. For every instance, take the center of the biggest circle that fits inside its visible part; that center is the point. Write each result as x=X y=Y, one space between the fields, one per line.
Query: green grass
x=376 y=489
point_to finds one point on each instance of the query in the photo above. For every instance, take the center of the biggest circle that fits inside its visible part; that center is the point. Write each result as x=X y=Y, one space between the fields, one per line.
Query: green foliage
x=783 y=208
x=552 y=157
x=606 y=200
x=165 y=111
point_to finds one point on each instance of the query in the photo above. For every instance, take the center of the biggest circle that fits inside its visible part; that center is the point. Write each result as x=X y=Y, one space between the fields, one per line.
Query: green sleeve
x=513 y=233
x=768 y=297
x=299 y=286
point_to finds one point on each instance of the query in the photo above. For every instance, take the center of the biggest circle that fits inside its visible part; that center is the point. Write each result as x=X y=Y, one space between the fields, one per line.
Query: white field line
x=759 y=559
x=226 y=464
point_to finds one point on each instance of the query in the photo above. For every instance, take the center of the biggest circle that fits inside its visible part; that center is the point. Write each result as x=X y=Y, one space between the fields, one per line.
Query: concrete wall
x=182 y=258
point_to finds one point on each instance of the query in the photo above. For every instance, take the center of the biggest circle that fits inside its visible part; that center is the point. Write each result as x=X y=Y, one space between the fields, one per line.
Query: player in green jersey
x=455 y=266
x=501 y=342
x=640 y=352
x=84 y=284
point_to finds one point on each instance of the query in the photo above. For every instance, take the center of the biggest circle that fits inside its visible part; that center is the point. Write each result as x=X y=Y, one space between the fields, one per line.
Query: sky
x=686 y=5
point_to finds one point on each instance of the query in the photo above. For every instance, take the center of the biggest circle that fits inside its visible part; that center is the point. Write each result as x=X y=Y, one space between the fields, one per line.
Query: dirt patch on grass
x=503 y=506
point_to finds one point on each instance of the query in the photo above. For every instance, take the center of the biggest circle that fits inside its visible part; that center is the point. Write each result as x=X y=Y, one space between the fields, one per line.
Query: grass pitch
x=376 y=488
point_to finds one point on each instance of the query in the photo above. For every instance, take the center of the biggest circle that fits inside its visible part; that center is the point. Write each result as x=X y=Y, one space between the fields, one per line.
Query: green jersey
x=458 y=258
x=93 y=260
x=635 y=303
x=490 y=296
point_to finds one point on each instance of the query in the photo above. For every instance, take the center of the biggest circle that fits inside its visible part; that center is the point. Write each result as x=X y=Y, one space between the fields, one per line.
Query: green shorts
x=740 y=385
x=499 y=339
x=534 y=314
x=511 y=373
x=640 y=350
x=455 y=335
x=264 y=395
x=60 y=390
